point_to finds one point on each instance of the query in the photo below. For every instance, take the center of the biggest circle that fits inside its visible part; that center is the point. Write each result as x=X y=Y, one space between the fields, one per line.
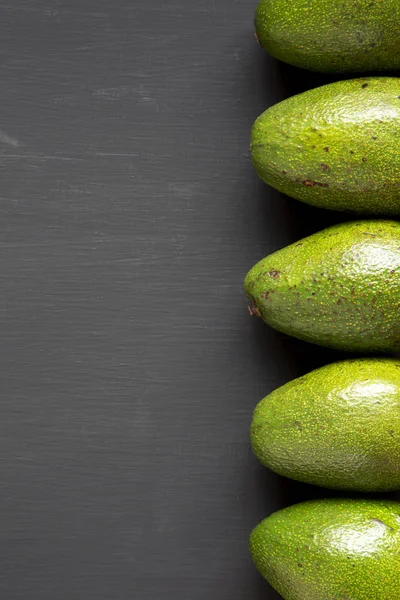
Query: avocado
x=337 y=427
x=331 y=36
x=336 y=549
x=338 y=288
x=335 y=147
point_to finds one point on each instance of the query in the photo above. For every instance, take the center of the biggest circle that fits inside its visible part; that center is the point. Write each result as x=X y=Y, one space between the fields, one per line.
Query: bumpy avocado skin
x=336 y=427
x=335 y=147
x=334 y=549
x=339 y=287
x=331 y=36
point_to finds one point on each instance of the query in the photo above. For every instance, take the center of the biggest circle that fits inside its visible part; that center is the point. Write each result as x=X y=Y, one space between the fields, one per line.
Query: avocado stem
x=257 y=39
x=254 y=310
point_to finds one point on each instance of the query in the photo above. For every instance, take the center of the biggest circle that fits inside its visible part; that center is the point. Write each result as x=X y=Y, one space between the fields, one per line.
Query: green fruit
x=336 y=146
x=330 y=36
x=338 y=288
x=337 y=427
x=331 y=550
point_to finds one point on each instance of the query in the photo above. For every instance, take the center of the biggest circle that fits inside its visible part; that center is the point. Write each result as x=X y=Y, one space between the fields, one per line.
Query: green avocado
x=337 y=427
x=331 y=36
x=335 y=549
x=335 y=147
x=338 y=288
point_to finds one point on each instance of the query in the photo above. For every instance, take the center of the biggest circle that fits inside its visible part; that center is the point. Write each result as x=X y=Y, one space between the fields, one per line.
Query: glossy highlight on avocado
x=334 y=549
x=336 y=427
x=331 y=36
x=335 y=147
x=339 y=287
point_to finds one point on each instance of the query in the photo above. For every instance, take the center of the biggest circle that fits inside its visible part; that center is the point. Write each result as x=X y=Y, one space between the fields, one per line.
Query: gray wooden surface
x=129 y=366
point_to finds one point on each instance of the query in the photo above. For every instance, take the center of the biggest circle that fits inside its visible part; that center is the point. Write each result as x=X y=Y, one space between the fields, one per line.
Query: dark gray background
x=129 y=365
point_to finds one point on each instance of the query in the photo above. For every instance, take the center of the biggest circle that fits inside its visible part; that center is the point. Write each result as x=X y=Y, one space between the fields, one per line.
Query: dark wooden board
x=129 y=365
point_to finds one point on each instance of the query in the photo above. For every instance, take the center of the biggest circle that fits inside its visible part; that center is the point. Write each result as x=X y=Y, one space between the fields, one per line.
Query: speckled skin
x=338 y=288
x=336 y=146
x=337 y=427
x=331 y=36
x=331 y=550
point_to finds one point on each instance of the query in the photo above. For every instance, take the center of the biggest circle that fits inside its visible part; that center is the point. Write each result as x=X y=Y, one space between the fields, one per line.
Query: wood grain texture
x=130 y=214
